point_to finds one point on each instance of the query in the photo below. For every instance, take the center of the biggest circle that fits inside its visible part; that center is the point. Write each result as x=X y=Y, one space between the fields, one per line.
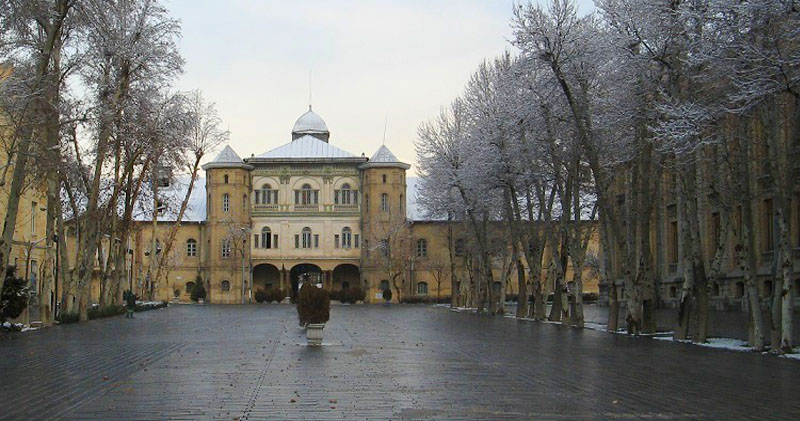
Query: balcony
x=345 y=208
x=267 y=207
x=306 y=208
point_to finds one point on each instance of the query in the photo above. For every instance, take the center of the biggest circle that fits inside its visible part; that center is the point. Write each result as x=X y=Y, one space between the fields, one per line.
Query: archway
x=266 y=276
x=346 y=276
x=304 y=273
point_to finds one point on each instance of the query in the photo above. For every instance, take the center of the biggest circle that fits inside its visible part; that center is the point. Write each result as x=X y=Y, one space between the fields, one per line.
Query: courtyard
x=377 y=362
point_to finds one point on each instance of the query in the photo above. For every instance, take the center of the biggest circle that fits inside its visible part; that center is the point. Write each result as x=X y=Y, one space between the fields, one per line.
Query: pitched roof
x=228 y=158
x=307 y=147
x=384 y=158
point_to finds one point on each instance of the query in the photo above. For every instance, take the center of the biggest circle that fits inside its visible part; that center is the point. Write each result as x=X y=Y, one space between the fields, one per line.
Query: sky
x=373 y=64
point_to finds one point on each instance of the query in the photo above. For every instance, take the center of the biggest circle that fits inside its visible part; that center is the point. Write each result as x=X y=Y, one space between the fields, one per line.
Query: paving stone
x=377 y=362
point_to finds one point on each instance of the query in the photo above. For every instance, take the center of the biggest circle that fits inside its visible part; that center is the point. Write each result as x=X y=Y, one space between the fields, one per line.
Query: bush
x=177 y=293
x=199 y=290
x=260 y=296
x=387 y=294
x=105 y=311
x=14 y=297
x=357 y=294
x=345 y=296
x=65 y=318
x=275 y=294
x=589 y=297
x=313 y=305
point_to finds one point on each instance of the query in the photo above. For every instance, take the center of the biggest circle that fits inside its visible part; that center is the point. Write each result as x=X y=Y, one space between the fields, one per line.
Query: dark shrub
x=357 y=294
x=313 y=305
x=387 y=294
x=275 y=294
x=345 y=296
x=260 y=296
x=14 y=298
x=199 y=290
x=65 y=318
x=415 y=299
x=177 y=293
x=589 y=297
x=105 y=311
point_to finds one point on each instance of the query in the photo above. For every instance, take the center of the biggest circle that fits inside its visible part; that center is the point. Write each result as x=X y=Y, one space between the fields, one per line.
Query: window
x=33 y=219
x=385 y=248
x=336 y=241
x=769 y=234
x=306 y=196
x=189 y=287
x=266 y=238
x=296 y=241
x=422 y=247
x=163 y=182
x=384 y=285
x=316 y=241
x=347 y=237
x=226 y=203
x=267 y=195
x=355 y=240
x=366 y=202
x=33 y=271
x=422 y=288
x=225 y=178
x=715 y=289
x=739 y=290
x=459 y=247
x=342 y=196
x=384 y=202
x=275 y=241
x=160 y=208
x=672 y=239
x=226 y=248
x=401 y=203
x=225 y=286
x=673 y=292
x=384 y=178
x=191 y=247
x=306 y=234
x=244 y=203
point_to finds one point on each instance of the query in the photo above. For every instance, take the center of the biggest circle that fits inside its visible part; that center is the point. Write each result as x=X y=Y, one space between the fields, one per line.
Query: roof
x=172 y=197
x=310 y=122
x=228 y=158
x=307 y=147
x=385 y=158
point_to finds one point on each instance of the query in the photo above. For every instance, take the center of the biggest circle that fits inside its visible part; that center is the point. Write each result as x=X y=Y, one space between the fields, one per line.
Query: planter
x=201 y=301
x=176 y=300
x=314 y=333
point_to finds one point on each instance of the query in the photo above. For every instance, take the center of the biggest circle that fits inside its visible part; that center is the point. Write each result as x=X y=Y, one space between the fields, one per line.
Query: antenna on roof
x=385 y=123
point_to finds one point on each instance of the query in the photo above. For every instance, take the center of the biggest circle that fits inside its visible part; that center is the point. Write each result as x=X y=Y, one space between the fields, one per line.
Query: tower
x=227 y=248
x=383 y=219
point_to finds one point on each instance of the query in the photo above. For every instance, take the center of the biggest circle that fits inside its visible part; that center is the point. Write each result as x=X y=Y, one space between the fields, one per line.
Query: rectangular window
x=34 y=270
x=355 y=240
x=33 y=219
x=255 y=240
x=226 y=203
x=355 y=197
x=384 y=202
x=672 y=238
x=296 y=241
x=275 y=241
x=258 y=197
x=316 y=241
x=366 y=247
x=226 y=249
x=336 y=197
x=336 y=241
x=769 y=234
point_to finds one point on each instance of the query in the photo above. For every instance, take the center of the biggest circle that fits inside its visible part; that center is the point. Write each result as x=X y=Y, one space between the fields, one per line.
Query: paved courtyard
x=378 y=362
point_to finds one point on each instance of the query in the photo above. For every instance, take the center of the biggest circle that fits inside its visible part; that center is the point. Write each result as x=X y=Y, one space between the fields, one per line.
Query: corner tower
x=384 y=224
x=227 y=249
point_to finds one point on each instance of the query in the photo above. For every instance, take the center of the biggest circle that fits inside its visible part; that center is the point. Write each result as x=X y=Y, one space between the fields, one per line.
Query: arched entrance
x=346 y=276
x=304 y=273
x=266 y=276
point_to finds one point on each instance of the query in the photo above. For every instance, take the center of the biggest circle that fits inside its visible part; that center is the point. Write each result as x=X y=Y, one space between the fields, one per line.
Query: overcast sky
x=369 y=59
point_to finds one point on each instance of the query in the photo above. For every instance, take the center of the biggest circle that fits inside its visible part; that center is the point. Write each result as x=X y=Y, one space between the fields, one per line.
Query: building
x=305 y=211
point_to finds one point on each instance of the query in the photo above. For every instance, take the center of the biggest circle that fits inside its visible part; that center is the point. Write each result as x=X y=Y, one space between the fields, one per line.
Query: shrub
x=415 y=299
x=177 y=293
x=357 y=294
x=261 y=296
x=65 y=318
x=275 y=294
x=199 y=290
x=589 y=297
x=14 y=297
x=313 y=305
x=105 y=311
x=387 y=294
x=346 y=296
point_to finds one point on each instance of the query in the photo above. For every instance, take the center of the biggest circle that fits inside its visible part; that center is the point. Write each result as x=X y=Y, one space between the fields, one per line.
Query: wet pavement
x=377 y=362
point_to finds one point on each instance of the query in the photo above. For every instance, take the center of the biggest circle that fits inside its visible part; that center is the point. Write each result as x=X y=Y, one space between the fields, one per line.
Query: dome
x=310 y=123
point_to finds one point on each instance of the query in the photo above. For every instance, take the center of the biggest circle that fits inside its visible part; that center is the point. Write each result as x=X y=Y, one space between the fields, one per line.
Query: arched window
x=268 y=196
x=226 y=203
x=306 y=196
x=459 y=247
x=306 y=238
x=384 y=202
x=189 y=287
x=422 y=247
x=225 y=286
x=347 y=238
x=344 y=196
x=384 y=178
x=226 y=178
x=191 y=247
x=422 y=288
x=226 y=248
x=266 y=238
x=715 y=290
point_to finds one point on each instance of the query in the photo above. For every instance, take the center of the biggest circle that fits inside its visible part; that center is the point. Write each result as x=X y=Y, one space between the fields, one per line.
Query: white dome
x=310 y=122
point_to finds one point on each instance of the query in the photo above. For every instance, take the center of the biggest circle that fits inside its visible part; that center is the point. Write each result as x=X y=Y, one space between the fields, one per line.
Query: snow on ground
x=719 y=343
x=795 y=356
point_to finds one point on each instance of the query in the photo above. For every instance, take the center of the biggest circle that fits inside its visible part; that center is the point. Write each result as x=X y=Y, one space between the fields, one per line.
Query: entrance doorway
x=302 y=274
